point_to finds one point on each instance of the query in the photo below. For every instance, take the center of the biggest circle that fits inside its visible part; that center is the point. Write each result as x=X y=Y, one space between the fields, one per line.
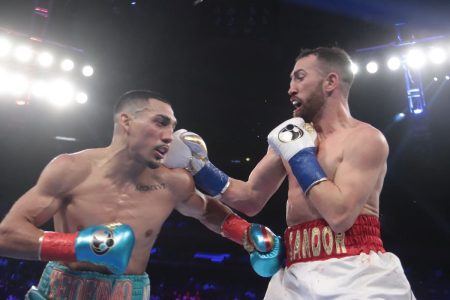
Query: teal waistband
x=60 y=282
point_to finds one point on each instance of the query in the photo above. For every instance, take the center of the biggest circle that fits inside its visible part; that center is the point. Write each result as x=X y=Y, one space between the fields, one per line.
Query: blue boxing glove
x=266 y=260
x=188 y=150
x=294 y=141
x=107 y=245
x=266 y=251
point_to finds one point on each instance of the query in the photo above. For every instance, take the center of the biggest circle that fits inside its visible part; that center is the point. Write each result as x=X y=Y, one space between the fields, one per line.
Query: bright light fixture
x=67 y=65
x=61 y=92
x=23 y=53
x=393 y=63
x=81 y=97
x=437 y=55
x=372 y=67
x=415 y=58
x=17 y=84
x=87 y=71
x=45 y=59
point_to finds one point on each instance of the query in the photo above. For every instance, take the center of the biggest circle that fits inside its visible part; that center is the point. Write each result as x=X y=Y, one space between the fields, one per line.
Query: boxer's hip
x=60 y=282
x=314 y=240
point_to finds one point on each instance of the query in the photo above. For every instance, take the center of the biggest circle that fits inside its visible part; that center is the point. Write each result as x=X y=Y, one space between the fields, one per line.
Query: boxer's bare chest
x=144 y=203
x=330 y=155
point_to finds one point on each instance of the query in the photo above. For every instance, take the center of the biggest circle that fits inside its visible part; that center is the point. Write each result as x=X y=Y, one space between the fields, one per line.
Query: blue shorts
x=59 y=282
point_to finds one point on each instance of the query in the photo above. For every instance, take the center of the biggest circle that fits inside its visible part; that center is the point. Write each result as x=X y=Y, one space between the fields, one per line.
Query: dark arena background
x=225 y=66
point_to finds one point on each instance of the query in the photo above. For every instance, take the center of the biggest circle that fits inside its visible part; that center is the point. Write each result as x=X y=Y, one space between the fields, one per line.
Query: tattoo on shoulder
x=150 y=188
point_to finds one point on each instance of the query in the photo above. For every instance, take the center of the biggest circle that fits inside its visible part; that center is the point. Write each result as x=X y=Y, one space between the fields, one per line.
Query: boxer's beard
x=312 y=105
x=153 y=165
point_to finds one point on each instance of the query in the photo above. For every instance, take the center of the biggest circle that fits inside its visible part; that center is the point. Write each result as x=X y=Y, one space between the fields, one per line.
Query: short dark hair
x=332 y=57
x=136 y=97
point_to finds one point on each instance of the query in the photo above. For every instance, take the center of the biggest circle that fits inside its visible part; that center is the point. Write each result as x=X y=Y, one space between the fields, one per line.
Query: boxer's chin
x=154 y=164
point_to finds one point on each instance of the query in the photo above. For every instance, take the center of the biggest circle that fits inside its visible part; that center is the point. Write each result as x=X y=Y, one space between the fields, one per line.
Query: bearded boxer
x=108 y=206
x=335 y=170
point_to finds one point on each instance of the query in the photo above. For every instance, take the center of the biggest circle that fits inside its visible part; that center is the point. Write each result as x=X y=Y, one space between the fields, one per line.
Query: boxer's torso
x=330 y=155
x=143 y=202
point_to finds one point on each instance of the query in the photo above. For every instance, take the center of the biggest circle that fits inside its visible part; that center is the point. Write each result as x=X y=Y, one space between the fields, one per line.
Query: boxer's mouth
x=296 y=103
x=162 y=150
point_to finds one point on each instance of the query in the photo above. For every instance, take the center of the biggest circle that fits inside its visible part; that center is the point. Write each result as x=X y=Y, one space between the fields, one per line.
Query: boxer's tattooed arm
x=149 y=188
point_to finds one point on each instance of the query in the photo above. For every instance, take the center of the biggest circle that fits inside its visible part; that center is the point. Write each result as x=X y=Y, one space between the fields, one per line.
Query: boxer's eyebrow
x=298 y=74
x=166 y=120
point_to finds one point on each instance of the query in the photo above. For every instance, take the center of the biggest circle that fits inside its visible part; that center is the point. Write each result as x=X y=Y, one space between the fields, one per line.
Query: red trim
x=268 y=240
x=58 y=246
x=314 y=240
x=234 y=228
x=267 y=237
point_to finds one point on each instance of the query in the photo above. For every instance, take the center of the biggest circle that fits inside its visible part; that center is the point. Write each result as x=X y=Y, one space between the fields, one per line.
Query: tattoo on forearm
x=149 y=188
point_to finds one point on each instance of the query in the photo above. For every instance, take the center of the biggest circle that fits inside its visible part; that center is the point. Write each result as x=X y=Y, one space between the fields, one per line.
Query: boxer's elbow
x=19 y=239
x=250 y=211
x=340 y=226
x=340 y=223
x=6 y=236
x=5 y=231
x=340 y=213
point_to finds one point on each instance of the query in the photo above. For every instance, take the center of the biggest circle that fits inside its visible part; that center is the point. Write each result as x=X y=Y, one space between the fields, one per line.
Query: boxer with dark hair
x=335 y=166
x=108 y=206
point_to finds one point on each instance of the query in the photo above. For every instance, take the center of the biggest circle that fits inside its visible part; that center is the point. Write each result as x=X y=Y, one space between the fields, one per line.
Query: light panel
x=372 y=67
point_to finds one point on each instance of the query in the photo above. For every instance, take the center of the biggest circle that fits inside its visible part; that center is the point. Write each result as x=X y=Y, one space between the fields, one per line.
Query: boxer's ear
x=331 y=82
x=124 y=121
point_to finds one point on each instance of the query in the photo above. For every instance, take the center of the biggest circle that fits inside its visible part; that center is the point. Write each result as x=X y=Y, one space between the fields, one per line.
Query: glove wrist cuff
x=57 y=246
x=235 y=229
x=307 y=169
x=211 y=181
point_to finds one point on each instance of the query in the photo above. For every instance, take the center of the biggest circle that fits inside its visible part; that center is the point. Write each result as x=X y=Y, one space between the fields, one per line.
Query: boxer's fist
x=291 y=136
x=188 y=150
x=267 y=257
x=263 y=245
x=108 y=245
x=294 y=140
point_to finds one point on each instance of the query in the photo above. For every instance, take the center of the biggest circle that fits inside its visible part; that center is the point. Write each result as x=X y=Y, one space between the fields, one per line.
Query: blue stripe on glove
x=210 y=180
x=306 y=168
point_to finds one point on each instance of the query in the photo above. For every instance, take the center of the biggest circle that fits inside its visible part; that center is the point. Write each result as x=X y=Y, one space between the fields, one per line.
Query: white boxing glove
x=188 y=151
x=291 y=136
x=295 y=141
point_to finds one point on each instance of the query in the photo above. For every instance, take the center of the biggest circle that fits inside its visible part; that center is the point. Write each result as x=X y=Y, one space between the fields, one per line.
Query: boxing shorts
x=59 y=282
x=321 y=264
